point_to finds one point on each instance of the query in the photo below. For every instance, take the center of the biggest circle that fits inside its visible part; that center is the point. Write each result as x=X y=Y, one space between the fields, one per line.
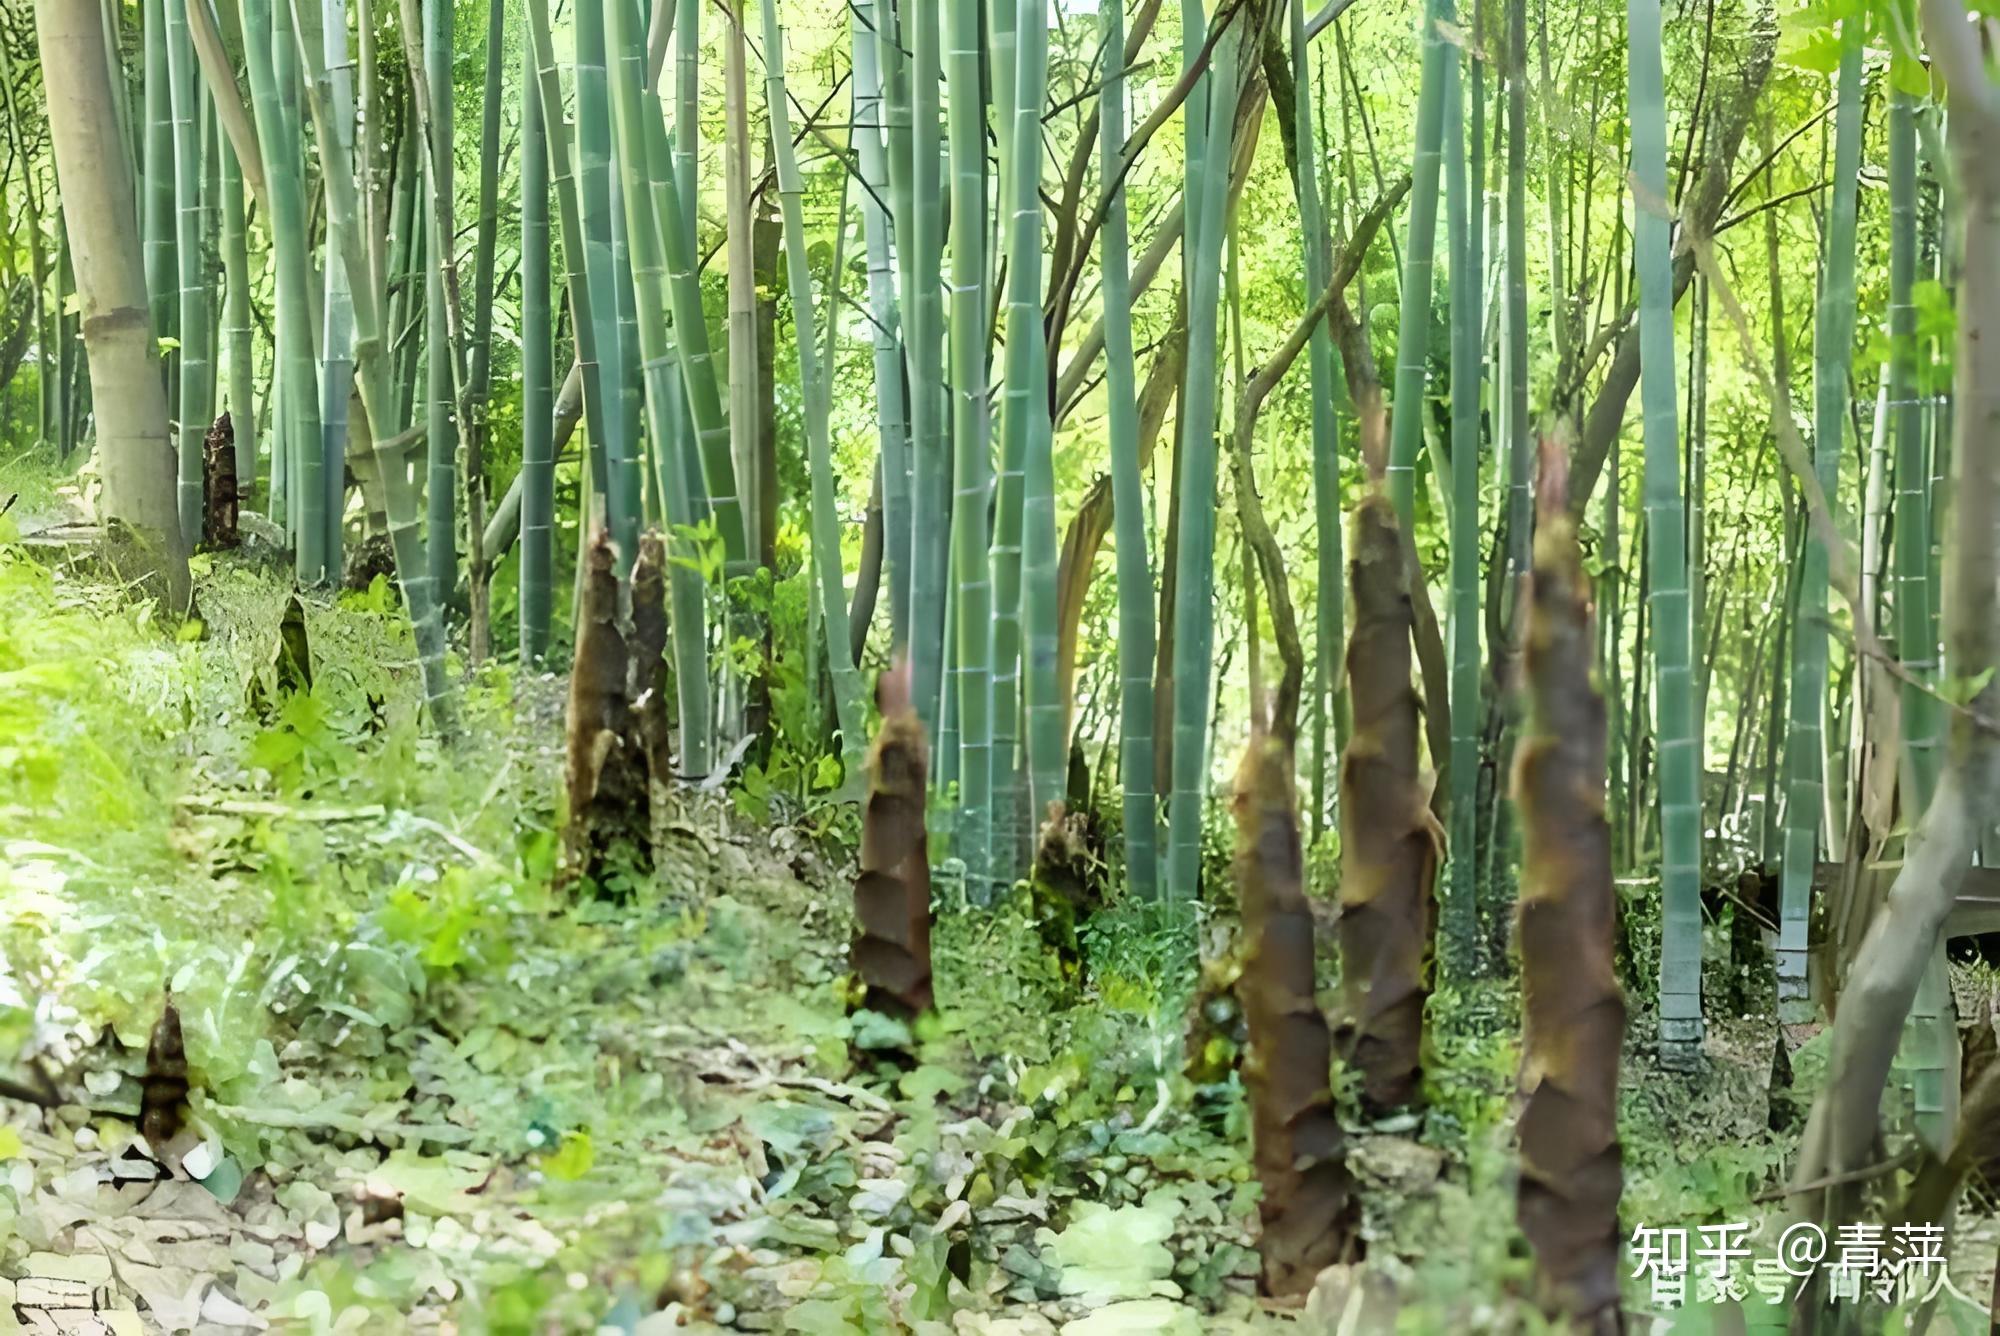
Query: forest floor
x=429 y=1092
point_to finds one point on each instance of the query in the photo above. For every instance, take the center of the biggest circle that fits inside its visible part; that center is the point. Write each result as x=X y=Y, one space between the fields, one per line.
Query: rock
x=1350 y=1297
x=1138 y=1317
x=1398 y=1164
x=968 y=1323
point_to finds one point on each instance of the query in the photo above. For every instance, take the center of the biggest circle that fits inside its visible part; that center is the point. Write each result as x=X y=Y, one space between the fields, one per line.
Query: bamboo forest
x=1000 y=667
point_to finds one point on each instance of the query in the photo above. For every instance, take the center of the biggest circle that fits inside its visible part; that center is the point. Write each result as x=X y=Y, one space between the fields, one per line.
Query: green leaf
x=1936 y=317
x=1964 y=690
x=572 y=1159
x=10 y=1143
x=927 y=1082
x=1114 y=1253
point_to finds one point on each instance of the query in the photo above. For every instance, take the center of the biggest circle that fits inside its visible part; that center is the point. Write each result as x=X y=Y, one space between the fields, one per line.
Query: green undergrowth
x=428 y=1089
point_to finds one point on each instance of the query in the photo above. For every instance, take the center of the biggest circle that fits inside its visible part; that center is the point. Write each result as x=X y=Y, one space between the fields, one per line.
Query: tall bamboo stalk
x=101 y=224
x=1194 y=617
x=1328 y=388
x=1413 y=321
x=817 y=393
x=675 y=208
x=478 y=388
x=1916 y=640
x=1461 y=925
x=1678 y=731
x=971 y=464
x=374 y=371
x=270 y=55
x=239 y=350
x=910 y=64
x=325 y=27
x=192 y=325
x=614 y=461
x=891 y=413
x=538 y=463
x=1128 y=488
x=1520 y=506
x=1017 y=244
x=740 y=240
x=569 y=213
x=646 y=167
x=156 y=167
x=440 y=430
x=1833 y=341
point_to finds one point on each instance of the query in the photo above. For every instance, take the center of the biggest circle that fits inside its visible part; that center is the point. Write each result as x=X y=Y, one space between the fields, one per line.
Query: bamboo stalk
x=645 y=167
x=1413 y=320
x=1134 y=549
x=156 y=167
x=743 y=352
x=1195 y=469
x=915 y=188
x=192 y=308
x=817 y=392
x=374 y=379
x=538 y=464
x=891 y=412
x=1678 y=730
x=239 y=350
x=1916 y=641
x=971 y=464
x=1461 y=921
x=1328 y=392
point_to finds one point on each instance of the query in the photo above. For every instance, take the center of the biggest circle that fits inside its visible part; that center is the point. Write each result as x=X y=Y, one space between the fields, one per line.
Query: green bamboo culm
x=686 y=155
x=675 y=210
x=1677 y=729
x=440 y=434
x=306 y=441
x=971 y=463
x=625 y=451
x=479 y=371
x=538 y=463
x=186 y=94
x=326 y=28
x=1460 y=911
x=1018 y=244
x=1833 y=343
x=1419 y=266
x=646 y=169
x=1207 y=194
x=570 y=227
x=1128 y=487
x=1329 y=389
x=405 y=265
x=817 y=391
x=1910 y=565
x=296 y=393
x=1047 y=744
x=885 y=322
x=374 y=373
x=613 y=472
x=911 y=84
x=1520 y=521
x=156 y=166
x=1047 y=728
x=238 y=349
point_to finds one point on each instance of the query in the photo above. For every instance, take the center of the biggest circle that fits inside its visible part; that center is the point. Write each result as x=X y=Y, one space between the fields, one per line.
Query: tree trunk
x=134 y=456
